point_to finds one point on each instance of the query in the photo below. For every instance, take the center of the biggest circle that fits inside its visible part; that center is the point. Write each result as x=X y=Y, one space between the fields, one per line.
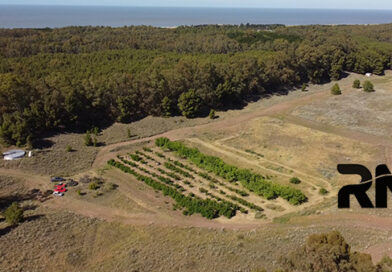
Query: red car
x=60 y=188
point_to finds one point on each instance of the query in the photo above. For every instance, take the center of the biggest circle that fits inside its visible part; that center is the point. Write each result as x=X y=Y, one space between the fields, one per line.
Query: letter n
x=383 y=183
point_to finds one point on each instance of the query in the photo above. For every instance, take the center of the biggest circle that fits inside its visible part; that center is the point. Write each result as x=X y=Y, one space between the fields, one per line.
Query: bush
x=136 y=157
x=357 y=84
x=335 y=90
x=212 y=114
x=93 y=186
x=295 y=180
x=303 y=88
x=95 y=131
x=88 y=140
x=147 y=149
x=161 y=142
x=129 y=134
x=327 y=252
x=14 y=214
x=323 y=191
x=178 y=170
x=95 y=142
x=368 y=86
x=110 y=186
x=68 y=148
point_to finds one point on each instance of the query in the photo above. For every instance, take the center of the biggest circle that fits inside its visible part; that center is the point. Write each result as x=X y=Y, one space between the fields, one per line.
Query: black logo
x=383 y=182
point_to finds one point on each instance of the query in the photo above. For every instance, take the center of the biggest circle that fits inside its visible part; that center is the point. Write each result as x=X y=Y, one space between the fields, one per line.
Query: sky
x=330 y=4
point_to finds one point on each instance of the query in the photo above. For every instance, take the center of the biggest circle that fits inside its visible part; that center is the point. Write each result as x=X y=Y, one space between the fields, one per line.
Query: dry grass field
x=56 y=240
x=125 y=225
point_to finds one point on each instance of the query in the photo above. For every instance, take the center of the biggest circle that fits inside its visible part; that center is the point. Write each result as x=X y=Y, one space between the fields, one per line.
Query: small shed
x=368 y=74
x=13 y=154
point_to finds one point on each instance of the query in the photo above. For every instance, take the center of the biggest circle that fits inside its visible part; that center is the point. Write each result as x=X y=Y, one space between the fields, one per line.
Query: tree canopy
x=79 y=77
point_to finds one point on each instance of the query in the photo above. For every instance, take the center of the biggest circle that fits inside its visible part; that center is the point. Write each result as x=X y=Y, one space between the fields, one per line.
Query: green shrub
x=95 y=142
x=212 y=185
x=136 y=157
x=147 y=149
x=295 y=180
x=368 y=86
x=95 y=131
x=303 y=88
x=212 y=114
x=110 y=186
x=172 y=167
x=68 y=148
x=88 y=140
x=93 y=186
x=160 y=155
x=13 y=214
x=323 y=191
x=335 y=90
x=161 y=142
x=357 y=84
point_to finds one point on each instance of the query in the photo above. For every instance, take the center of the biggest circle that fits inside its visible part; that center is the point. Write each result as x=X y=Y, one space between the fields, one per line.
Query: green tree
x=327 y=252
x=368 y=86
x=357 y=84
x=14 y=214
x=335 y=90
x=68 y=148
x=303 y=88
x=167 y=106
x=189 y=104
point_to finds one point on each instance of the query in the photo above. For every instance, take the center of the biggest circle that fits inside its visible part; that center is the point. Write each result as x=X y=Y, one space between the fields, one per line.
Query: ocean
x=20 y=16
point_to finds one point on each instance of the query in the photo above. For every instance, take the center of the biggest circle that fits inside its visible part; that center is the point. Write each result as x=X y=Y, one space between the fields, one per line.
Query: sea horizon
x=55 y=16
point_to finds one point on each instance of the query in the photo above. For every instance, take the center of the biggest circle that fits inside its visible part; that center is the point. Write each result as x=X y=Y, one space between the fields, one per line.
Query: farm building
x=13 y=154
x=368 y=74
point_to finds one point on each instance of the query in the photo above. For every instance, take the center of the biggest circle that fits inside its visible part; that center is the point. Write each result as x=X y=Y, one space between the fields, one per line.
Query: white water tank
x=14 y=154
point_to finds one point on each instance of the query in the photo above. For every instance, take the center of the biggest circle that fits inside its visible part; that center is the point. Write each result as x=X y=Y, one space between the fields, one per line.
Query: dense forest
x=77 y=77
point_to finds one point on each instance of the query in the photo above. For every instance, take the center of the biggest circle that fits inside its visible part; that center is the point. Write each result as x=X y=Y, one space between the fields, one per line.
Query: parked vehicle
x=57 y=179
x=72 y=183
x=58 y=193
x=60 y=189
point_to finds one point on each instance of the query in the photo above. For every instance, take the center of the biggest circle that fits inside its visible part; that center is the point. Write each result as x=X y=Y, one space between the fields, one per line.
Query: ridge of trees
x=76 y=78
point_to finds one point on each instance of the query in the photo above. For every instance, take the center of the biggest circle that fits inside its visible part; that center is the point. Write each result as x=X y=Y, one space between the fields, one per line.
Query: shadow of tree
x=6 y=230
x=34 y=194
